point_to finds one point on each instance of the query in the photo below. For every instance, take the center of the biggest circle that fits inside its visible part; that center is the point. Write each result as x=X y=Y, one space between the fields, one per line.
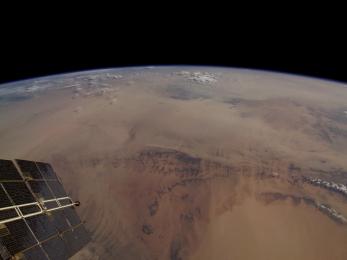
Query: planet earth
x=191 y=162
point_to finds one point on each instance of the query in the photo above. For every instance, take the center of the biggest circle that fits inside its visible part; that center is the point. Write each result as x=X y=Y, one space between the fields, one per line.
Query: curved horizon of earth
x=189 y=162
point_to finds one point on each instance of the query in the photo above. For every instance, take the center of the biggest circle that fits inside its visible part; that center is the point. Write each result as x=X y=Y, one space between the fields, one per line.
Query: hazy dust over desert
x=191 y=162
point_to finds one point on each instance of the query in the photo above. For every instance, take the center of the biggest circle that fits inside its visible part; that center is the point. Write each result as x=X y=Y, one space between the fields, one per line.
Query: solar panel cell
x=8 y=171
x=56 y=248
x=34 y=253
x=7 y=214
x=65 y=202
x=71 y=216
x=18 y=192
x=81 y=235
x=42 y=226
x=29 y=169
x=18 y=237
x=70 y=242
x=46 y=171
x=41 y=189
x=51 y=204
x=59 y=220
x=57 y=189
x=4 y=199
x=29 y=209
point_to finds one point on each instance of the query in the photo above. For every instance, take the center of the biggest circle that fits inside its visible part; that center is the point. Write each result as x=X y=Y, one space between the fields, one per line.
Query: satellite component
x=38 y=219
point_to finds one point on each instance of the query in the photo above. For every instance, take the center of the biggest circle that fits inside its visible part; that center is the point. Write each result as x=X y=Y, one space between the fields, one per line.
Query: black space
x=32 y=55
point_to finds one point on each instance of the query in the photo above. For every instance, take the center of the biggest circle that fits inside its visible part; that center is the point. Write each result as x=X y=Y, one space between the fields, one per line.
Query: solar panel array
x=37 y=218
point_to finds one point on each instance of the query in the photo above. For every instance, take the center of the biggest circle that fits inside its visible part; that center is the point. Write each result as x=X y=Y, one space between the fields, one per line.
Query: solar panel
x=29 y=209
x=4 y=199
x=8 y=213
x=18 y=192
x=75 y=239
x=57 y=189
x=65 y=202
x=71 y=216
x=40 y=189
x=42 y=226
x=50 y=204
x=16 y=236
x=4 y=254
x=46 y=171
x=60 y=221
x=34 y=253
x=79 y=238
x=37 y=218
x=8 y=171
x=56 y=248
x=29 y=169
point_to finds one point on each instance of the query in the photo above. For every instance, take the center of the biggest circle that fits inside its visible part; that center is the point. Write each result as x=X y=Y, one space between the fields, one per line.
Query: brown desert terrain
x=169 y=164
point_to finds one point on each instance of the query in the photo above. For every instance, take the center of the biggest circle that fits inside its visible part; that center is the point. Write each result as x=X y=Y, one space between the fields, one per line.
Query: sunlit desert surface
x=168 y=164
